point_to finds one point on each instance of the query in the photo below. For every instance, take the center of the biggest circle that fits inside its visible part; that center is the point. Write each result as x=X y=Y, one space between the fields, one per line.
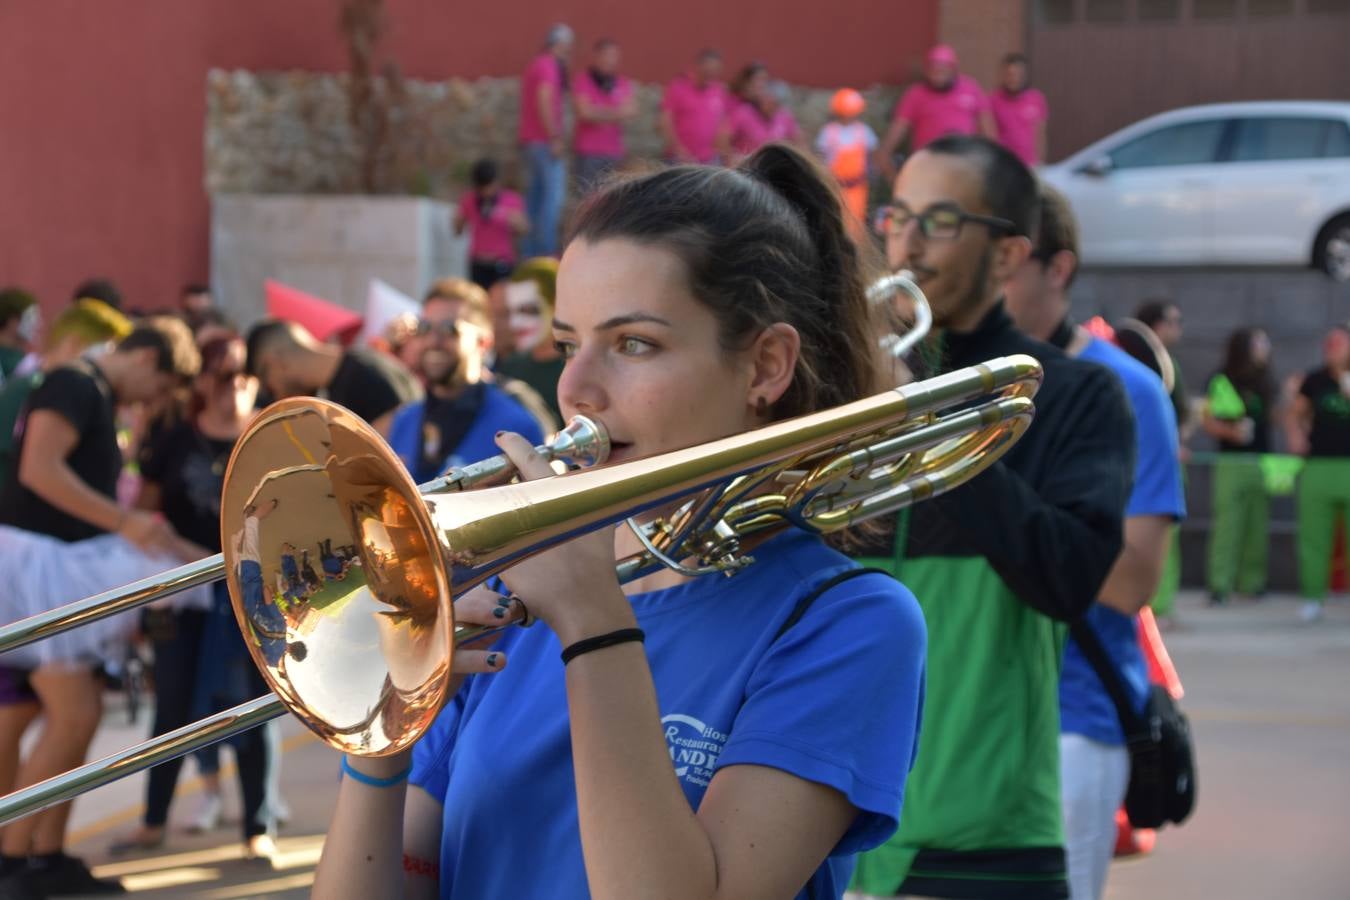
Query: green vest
x=987 y=774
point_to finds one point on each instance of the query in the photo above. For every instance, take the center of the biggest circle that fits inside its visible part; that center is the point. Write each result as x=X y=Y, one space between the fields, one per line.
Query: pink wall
x=102 y=104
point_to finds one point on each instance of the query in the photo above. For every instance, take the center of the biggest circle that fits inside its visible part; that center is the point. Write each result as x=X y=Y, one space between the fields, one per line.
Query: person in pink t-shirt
x=1020 y=111
x=544 y=140
x=764 y=118
x=944 y=102
x=749 y=83
x=604 y=100
x=694 y=111
x=495 y=217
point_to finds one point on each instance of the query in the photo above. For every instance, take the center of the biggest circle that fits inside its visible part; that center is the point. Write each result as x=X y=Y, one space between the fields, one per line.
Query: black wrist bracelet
x=600 y=641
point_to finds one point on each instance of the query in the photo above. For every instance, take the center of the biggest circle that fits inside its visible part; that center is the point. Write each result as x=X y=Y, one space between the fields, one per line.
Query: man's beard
x=972 y=298
x=443 y=375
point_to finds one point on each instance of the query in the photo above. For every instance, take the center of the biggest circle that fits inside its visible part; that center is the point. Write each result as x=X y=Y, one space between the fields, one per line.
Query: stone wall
x=289 y=132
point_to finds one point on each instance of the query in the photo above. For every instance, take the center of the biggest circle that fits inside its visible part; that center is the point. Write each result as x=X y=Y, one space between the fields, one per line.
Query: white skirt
x=39 y=573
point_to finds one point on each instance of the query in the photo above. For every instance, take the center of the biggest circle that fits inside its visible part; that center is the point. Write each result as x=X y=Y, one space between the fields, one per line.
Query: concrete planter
x=330 y=246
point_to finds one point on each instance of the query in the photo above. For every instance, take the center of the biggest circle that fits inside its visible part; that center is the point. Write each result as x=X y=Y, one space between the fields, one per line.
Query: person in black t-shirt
x=290 y=362
x=1237 y=415
x=198 y=648
x=57 y=504
x=1318 y=427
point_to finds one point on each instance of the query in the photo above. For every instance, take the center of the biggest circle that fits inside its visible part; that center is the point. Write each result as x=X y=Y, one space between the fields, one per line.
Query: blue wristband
x=370 y=780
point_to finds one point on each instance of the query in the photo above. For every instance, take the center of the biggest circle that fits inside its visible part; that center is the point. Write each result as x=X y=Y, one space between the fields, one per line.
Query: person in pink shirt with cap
x=544 y=141
x=763 y=118
x=604 y=100
x=944 y=102
x=1019 y=111
x=694 y=112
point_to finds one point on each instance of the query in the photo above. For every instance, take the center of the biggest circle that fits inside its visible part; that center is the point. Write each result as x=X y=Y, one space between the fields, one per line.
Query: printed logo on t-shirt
x=694 y=748
x=1336 y=404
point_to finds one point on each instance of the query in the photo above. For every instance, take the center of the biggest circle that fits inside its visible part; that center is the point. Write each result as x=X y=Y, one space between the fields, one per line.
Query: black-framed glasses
x=939 y=222
x=448 y=328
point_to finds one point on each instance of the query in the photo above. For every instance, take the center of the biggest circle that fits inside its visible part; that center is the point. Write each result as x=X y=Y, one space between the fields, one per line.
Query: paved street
x=1269 y=700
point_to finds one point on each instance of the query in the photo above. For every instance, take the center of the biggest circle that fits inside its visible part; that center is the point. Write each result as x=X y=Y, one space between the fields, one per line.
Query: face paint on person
x=528 y=315
x=29 y=325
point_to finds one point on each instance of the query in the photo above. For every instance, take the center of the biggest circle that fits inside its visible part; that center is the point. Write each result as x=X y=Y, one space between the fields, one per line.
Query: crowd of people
x=908 y=711
x=580 y=118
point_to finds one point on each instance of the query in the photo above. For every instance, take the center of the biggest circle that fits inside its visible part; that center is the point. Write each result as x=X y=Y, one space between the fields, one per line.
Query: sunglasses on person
x=448 y=328
x=940 y=222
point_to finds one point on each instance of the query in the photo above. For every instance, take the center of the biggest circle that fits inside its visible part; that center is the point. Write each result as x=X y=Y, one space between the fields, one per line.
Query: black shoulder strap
x=1106 y=670
x=805 y=603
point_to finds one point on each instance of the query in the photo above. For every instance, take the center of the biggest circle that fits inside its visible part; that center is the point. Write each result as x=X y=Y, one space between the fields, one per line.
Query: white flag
x=384 y=304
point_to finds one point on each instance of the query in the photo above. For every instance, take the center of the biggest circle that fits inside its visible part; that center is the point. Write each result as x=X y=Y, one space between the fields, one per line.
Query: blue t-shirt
x=837 y=699
x=1085 y=707
x=499 y=412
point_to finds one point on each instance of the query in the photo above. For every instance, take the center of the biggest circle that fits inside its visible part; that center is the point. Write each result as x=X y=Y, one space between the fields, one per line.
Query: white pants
x=1093 y=777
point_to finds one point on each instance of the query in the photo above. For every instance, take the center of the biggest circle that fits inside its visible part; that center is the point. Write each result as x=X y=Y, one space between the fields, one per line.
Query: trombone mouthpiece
x=584 y=442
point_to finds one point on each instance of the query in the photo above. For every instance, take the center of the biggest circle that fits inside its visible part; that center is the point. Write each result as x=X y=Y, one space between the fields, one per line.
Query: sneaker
x=208 y=814
x=60 y=875
x=260 y=848
x=1310 y=611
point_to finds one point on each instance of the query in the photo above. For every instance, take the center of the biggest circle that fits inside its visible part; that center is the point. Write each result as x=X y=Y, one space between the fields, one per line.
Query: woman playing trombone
x=699 y=737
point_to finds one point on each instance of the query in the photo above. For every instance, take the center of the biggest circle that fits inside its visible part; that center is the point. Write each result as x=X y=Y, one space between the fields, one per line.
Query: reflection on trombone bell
x=374 y=668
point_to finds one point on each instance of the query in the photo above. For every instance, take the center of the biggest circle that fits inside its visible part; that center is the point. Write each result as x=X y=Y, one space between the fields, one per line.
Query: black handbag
x=1162 y=758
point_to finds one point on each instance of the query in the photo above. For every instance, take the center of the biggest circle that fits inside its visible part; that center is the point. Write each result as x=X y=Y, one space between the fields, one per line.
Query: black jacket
x=1049 y=515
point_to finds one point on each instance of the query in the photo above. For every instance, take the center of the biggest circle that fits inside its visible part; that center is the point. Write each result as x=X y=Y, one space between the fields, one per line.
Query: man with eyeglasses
x=457 y=422
x=291 y=362
x=1001 y=563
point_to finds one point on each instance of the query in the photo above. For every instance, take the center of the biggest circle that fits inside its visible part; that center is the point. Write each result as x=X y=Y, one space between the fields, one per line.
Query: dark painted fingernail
x=492 y=660
x=500 y=433
x=504 y=601
x=499 y=612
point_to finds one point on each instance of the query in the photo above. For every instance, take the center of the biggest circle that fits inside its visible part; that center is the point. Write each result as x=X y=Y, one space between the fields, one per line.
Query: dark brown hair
x=761 y=243
x=1058 y=230
x=1243 y=370
x=171 y=339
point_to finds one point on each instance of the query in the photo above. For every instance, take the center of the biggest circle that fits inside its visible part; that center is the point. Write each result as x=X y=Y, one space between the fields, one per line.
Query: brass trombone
x=366 y=662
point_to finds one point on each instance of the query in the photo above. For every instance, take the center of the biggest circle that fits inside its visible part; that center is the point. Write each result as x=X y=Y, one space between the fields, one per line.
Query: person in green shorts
x=1163 y=318
x=999 y=564
x=1237 y=416
x=1318 y=427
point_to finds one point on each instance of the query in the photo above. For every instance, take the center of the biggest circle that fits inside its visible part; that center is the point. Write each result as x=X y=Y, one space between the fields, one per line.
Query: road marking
x=254 y=889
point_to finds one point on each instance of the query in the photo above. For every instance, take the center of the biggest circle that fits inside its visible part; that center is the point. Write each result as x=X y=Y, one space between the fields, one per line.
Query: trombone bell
x=367 y=655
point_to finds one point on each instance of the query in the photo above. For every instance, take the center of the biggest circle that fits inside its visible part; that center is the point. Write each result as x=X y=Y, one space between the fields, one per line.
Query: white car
x=1262 y=183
